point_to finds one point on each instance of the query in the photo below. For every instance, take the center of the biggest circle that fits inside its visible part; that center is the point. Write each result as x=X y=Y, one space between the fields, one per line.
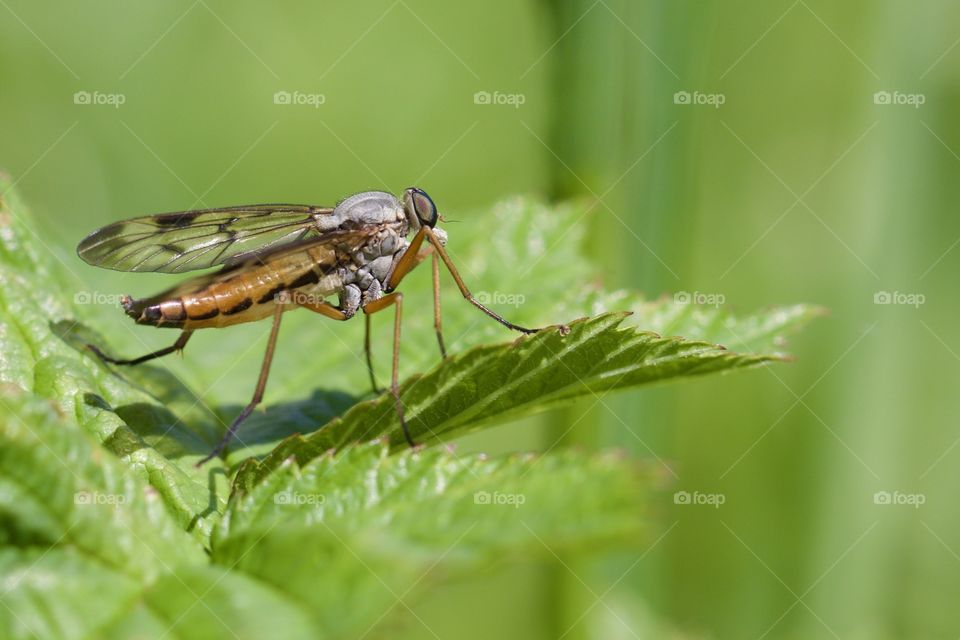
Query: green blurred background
x=799 y=187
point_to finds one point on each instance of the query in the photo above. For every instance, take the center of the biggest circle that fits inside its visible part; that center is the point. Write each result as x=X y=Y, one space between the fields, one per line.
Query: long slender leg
x=367 y=351
x=466 y=292
x=407 y=261
x=324 y=309
x=395 y=299
x=411 y=258
x=176 y=346
x=258 y=392
x=436 y=305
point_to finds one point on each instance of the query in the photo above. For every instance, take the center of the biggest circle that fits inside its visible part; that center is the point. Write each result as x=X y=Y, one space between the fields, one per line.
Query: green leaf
x=357 y=531
x=292 y=555
x=494 y=383
x=59 y=487
x=203 y=601
x=90 y=550
x=143 y=415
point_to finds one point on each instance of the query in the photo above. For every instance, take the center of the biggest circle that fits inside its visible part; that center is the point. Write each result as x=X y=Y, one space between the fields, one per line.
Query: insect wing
x=287 y=263
x=178 y=242
x=344 y=244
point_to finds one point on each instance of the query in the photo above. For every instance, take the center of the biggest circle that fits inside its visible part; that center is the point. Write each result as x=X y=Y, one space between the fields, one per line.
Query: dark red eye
x=424 y=207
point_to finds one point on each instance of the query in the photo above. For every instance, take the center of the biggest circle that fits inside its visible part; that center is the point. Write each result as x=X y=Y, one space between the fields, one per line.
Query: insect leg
x=324 y=309
x=466 y=292
x=408 y=260
x=436 y=304
x=411 y=258
x=176 y=346
x=258 y=392
x=366 y=350
x=395 y=299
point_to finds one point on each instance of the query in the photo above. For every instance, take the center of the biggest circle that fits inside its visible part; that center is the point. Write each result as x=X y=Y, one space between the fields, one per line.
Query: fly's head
x=422 y=212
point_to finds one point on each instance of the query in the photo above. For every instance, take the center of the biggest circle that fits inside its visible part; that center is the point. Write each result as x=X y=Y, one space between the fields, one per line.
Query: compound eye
x=423 y=206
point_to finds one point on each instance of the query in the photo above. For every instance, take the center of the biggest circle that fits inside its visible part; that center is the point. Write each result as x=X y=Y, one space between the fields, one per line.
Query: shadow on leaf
x=279 y=421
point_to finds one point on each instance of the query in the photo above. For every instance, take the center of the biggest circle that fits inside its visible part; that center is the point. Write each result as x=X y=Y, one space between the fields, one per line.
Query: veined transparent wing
x=318 y=255
x=190 y=240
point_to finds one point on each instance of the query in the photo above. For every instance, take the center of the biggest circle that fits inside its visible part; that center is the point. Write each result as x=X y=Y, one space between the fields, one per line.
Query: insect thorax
x=369 y=207
x=362 y=276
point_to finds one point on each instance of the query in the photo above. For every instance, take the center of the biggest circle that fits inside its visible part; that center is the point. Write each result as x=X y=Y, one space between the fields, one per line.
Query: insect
x=275 y=258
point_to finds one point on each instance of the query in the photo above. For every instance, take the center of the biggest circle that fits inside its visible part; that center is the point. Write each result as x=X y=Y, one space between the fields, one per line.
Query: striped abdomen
x=243 y=293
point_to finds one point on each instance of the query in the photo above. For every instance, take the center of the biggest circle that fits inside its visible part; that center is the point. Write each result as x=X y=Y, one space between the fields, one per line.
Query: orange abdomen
x=244 y=293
